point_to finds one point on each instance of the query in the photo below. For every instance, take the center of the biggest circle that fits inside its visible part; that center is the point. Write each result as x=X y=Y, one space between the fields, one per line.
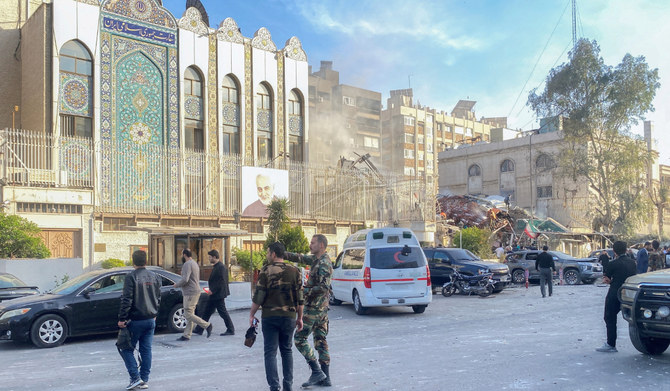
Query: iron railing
x=148 y=179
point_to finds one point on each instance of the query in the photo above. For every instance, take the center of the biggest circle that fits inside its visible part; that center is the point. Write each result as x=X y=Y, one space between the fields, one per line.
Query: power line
x=538 y=59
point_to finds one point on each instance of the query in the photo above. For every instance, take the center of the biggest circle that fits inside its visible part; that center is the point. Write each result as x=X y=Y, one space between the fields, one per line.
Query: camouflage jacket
x=279 y=290
x=317 y=288
x=656 y=261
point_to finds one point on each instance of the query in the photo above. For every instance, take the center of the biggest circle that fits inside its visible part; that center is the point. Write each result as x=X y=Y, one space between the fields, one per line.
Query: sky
x=491 y=51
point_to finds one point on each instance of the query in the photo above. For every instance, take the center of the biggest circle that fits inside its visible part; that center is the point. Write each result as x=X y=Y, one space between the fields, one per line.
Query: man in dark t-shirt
x=545 y=264
x=616 y=274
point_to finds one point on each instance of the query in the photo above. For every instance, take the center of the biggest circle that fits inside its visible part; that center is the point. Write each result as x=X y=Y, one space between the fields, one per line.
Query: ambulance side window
x=353 y=259
x=338 y=261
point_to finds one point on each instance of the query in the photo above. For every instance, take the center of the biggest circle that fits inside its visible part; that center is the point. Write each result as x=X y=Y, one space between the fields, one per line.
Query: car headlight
x=13 y=313
x=628 y=294
x=585 y=267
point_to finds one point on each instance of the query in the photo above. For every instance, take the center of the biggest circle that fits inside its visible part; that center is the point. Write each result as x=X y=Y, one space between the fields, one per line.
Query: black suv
x=442 y=261
x=645 y=304
x=574 y=269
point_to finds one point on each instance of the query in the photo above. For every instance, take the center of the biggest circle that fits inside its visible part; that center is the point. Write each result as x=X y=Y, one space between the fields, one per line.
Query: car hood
x=27 y=301
x=488 y=265
x=657 y=277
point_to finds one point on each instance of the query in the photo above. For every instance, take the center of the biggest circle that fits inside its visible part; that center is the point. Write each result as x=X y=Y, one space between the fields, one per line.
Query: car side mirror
x=87 y=292
x=446 y=261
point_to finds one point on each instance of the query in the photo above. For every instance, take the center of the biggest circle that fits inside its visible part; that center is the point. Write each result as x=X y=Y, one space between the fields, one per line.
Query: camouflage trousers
x=316 y=324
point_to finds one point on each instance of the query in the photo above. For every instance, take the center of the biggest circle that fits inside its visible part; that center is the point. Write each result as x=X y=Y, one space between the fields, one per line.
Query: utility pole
x=574 y=23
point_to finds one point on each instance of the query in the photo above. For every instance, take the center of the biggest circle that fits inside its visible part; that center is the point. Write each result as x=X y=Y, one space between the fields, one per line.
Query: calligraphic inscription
x=135 y=30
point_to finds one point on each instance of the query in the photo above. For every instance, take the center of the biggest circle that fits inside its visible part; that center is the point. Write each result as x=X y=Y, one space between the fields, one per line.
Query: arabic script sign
x=138 y=31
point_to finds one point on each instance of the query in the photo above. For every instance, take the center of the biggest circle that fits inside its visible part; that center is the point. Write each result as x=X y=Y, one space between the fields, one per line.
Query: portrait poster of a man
x=259 y=187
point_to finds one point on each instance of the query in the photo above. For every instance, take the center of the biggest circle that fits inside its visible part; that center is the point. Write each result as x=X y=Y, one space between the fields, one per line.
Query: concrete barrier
x=240 y=296
x=43 y=273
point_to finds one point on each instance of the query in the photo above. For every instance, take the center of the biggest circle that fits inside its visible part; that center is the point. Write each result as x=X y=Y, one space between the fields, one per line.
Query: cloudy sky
x=491 y=51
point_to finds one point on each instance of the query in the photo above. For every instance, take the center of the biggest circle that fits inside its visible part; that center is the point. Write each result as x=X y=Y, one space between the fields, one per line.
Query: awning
x=189 y=231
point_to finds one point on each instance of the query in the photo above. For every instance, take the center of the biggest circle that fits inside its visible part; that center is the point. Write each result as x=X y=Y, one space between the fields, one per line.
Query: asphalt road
x=509 y=341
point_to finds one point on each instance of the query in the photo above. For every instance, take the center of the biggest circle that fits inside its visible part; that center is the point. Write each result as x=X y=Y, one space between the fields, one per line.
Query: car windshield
x=72 y=285
x=9 y=281
x=393 y=258
x=462 y=255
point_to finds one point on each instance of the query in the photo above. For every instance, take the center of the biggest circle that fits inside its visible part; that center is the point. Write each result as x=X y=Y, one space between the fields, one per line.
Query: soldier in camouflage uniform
x=656 y=261
x=315 y=318
x=279 y=291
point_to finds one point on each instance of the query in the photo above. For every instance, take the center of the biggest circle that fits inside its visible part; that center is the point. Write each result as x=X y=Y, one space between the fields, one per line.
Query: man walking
x=616 y=273
x=545 y=264
x=218 y=291
x=279 y=292
x=190 y=289
x=315 y=320
x=139 y=306
x=643 y=258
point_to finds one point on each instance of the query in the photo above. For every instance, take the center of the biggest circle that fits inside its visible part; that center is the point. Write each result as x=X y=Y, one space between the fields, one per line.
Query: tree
x=476 y=240
x=600 y=104
x=19 y=238
x=280 y=228
x=660 y=198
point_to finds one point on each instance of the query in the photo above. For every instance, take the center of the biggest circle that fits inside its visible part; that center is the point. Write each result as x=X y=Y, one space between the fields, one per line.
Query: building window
x=468 y=132
x=76 y=86
x=507 y=166
x=474 y=170
x=409 y=154
x=409 y=121
x=371 y=142
x=295 y=124
x=409 y=171
x=544 y=192
x=419 y=139
x=429 y=164
x=349 y=101
x=194 y=129
x=231 y=115
x=420 y=155
x=429 y=147
x=459 y=130
x=264 y=123
x=409 y=138
x=544 y=162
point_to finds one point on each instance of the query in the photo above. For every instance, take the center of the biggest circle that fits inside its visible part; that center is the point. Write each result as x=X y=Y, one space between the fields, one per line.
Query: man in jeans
x=190 y=289
x=545 y=264
x=279 y=292
x=139 y=306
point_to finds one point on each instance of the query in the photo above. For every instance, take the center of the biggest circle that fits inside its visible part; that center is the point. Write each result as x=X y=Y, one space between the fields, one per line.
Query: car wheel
x=176 y=321
x=647 y=345
x=519 y=276
x=419 y=309
x=358 y=307
x=333 y=301
x=571 y=277
x=48 y=331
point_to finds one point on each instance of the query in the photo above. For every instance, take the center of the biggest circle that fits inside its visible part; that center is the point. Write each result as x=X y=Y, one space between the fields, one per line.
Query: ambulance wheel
x=358 y=307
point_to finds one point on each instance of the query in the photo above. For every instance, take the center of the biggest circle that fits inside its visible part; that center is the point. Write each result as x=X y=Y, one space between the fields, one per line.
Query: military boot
x=317 y=374
x=325 y=382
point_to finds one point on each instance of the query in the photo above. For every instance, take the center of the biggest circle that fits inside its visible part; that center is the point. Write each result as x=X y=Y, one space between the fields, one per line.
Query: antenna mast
x=574 y=23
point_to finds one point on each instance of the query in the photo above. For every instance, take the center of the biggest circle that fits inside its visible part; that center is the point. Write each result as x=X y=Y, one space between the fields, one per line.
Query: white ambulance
x=381 y=268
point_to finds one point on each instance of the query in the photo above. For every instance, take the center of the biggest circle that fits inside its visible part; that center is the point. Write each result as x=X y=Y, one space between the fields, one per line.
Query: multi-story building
x=414 y=134
x=345 y=121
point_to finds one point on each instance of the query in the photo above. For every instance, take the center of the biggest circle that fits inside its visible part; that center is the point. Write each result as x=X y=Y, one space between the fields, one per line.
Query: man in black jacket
x=139 y=307
x=615 y=274
x=545 y=264
x=218 y=291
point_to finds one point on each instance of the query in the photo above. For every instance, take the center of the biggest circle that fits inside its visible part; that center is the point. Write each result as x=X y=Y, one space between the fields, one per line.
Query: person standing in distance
x=140 y=301
x=616 y=273
x=190 y=289
x=279 y=293
x=545 y=264
x=218 y=291
x=315 y=319
x=643 y=258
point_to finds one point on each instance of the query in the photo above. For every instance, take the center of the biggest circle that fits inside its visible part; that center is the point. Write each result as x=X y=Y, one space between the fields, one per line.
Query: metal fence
x=131 y=178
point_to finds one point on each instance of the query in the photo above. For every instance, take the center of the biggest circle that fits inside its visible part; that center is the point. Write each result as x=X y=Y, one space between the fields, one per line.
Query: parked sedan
x=574 y=269
x=11 y=287
x=88 y=304
x=443 y=261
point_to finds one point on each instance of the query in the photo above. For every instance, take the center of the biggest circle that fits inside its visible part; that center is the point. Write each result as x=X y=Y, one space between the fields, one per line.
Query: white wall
x=42 y=273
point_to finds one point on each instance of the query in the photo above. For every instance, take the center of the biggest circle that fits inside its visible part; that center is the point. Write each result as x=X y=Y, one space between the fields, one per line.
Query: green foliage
x=476 y=240
x=244 y=259
x=277 y=217
x=599 y=155
x=19 y=238
x=112 y=262
x=58 y=282
x=292 y=237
